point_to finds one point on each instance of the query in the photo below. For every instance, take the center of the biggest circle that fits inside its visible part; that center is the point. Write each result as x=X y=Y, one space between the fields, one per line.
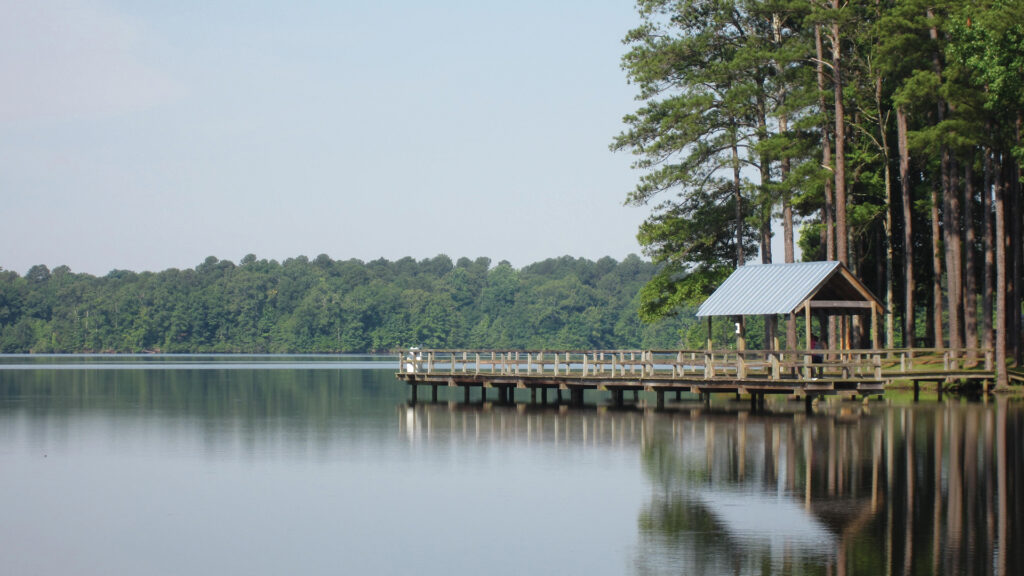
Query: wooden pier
x=753 y=373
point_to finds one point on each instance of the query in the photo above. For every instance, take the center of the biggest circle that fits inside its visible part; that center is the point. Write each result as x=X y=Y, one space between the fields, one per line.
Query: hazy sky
x=149 y=135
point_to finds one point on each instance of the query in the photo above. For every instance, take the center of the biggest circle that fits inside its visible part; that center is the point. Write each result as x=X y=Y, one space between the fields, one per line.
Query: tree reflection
x=849 y=489
x=885 y=490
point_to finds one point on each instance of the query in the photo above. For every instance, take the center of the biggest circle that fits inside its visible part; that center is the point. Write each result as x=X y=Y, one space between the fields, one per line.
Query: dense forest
x=891 y=128
x=325 y=305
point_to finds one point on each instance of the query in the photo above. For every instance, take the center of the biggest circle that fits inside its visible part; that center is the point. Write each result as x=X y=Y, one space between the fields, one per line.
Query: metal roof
x=768 y=288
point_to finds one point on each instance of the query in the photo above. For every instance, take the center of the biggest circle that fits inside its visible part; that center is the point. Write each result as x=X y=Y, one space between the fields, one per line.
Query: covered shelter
x=826 y=288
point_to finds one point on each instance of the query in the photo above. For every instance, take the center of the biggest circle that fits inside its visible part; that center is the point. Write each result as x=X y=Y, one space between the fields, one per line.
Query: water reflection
x=317 y=465
x=850 y=489
x=228 y=412
x=521 y=423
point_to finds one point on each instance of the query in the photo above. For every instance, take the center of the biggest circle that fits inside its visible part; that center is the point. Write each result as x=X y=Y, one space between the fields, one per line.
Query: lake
x=319 y=465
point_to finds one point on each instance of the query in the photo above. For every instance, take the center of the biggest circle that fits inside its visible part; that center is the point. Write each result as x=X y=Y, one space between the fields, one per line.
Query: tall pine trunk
x=1017 y=270
x=890 y=329
x=784 y=166
x=765 y=206
x=951 y=236
x=908 y=237
x=970 y=288
x=840 y=135
x=787 y=232
x=738 y=197
x=826 y=149
x=988 y=274
x=939 y=341
x=826 y=161
x=1016 y=289
x=1000 y=332
x=951 y=242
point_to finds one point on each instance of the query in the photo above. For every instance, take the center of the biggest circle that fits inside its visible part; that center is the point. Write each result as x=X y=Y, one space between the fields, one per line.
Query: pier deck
x=749 y=372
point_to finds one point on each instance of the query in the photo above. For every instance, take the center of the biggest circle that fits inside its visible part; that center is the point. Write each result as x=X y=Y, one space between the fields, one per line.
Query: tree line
x=891 y=128
x=325 y=305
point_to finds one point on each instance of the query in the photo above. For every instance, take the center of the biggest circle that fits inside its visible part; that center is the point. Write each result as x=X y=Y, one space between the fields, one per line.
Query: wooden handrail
x=768 y=364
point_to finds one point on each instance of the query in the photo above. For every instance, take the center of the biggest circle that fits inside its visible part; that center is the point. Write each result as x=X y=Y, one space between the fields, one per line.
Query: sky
x=150 y=135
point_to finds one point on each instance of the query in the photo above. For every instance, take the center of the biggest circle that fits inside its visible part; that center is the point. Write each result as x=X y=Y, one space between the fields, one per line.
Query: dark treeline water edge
x=326 y=305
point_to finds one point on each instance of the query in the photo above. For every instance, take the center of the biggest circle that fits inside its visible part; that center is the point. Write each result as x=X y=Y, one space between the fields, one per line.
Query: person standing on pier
x=816 y=344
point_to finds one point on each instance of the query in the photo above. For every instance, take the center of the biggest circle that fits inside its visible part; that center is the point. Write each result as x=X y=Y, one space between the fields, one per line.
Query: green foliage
x=715 y=77
x=733 y=123
x=328 y=306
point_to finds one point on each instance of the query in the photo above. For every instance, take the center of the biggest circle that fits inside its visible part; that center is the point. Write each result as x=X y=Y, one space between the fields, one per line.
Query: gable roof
x=783 y=288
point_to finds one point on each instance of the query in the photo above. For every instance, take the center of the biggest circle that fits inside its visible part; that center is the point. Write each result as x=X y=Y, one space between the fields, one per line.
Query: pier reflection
x=849 y=489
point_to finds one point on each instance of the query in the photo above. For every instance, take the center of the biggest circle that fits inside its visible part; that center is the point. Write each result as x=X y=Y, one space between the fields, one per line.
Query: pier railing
x=644 y=364
x=697 y=364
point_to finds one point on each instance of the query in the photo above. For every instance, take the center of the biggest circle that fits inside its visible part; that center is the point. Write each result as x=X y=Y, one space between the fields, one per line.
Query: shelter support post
x=741 y=333
x=709 y=332
x=874 y=328
x=807 y=324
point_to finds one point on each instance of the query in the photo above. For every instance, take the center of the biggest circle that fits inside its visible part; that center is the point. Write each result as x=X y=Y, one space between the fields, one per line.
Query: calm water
x=318 y=465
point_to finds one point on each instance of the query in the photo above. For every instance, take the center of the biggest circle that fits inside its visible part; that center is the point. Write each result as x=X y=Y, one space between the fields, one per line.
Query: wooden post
x=741 y=336
x=433 y=393
x=874 y=327
x=618 y=396
x=807 y=324
x=709 y=333
x=807 y=337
